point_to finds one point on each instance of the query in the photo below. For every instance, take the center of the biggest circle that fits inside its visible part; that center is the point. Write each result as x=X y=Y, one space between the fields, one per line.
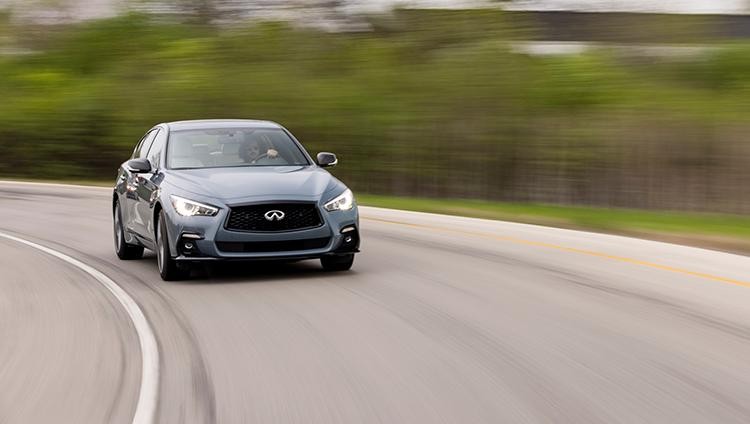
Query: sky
x=96 y=8
x=668 y=6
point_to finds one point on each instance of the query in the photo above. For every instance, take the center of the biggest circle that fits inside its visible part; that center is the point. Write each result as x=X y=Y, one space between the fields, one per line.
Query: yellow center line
x=569 y=249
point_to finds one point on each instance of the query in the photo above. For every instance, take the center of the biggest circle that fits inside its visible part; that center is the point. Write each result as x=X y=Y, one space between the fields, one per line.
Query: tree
x=315 y=12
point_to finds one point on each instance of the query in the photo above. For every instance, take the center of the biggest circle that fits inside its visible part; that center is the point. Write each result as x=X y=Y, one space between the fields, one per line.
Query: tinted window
x=215 y=148
x=154 y=154
x=145 y=144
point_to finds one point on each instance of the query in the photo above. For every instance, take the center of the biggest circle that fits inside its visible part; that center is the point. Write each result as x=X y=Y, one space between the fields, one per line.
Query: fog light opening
x=348 y=229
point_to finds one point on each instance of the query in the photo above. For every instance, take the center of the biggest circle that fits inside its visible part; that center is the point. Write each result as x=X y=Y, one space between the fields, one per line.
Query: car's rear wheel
x=169 y=269
x=124 y=250
x=337 y=263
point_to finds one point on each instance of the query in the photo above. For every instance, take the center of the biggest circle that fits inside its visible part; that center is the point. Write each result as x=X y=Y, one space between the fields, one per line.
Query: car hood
x=259 y=183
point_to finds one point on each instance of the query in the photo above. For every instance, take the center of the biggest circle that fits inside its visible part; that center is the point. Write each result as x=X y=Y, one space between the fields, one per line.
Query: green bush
x=428 y=103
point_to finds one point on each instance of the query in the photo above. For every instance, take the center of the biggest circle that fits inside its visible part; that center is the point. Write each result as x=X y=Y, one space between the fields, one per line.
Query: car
x=231 y=190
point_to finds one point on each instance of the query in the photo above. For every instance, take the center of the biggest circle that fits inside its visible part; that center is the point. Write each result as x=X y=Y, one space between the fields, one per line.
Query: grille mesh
x=297 y=216
x=273 y=246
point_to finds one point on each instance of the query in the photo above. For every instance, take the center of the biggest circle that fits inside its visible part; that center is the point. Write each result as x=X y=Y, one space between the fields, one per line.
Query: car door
x=131 y=217
x=148 y=187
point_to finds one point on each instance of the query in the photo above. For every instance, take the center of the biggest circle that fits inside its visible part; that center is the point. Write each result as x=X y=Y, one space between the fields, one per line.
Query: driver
x=252 y=152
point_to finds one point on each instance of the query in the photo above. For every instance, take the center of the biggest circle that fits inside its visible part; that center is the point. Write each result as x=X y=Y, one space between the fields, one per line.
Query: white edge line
x=42 y=184
x=147 y=398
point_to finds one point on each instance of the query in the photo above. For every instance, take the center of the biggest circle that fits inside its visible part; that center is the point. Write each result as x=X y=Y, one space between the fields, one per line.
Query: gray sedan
x=211 y=190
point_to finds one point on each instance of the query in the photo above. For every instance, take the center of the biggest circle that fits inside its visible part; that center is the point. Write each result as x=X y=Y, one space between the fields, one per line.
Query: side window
x=154 y=154
x=144 y=145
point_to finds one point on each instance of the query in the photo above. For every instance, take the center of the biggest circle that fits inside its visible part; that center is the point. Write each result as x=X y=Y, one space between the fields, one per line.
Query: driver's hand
x=272 y=153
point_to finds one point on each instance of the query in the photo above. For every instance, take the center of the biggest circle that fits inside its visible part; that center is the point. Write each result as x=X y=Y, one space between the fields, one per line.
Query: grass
x=727 y=232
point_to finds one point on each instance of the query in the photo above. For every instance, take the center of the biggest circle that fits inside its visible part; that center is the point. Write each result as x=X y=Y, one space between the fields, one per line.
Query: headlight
x=187 y=207
x=344 y=202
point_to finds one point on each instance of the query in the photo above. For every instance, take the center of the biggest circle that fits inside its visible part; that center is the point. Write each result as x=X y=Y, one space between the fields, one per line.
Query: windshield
x=215 y=148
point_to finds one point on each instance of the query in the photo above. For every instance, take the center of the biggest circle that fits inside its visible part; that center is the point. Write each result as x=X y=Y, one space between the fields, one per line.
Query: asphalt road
x=442 y=320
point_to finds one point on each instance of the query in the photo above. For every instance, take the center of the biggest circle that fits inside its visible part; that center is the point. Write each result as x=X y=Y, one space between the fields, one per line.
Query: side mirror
x=138 y=166
x=327 y=160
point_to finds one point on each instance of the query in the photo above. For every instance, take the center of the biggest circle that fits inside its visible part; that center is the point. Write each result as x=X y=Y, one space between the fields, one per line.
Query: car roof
x=202 y=124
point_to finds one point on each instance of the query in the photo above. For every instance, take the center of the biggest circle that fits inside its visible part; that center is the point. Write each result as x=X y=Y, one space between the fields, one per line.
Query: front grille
x=297 y=216
x=273 y=246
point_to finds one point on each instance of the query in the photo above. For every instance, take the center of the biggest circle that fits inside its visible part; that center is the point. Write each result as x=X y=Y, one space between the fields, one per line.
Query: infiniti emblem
x=274 y=215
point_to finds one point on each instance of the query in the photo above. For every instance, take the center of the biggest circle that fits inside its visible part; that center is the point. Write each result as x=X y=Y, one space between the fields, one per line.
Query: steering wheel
x=260 y=156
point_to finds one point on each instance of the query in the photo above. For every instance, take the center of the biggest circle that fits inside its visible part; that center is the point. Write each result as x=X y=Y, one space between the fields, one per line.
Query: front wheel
x=337 y=263
x=124 y=250
x=169 y=269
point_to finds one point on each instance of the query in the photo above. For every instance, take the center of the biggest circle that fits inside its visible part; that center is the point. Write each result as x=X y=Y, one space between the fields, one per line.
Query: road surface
x=442 y=320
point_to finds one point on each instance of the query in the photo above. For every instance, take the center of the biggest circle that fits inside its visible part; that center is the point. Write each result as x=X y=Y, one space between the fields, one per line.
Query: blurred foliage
x=428 y=103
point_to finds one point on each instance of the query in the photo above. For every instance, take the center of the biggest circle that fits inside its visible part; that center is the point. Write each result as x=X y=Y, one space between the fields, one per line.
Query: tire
x=169 y=269
x=337 y=263
x=124 y=251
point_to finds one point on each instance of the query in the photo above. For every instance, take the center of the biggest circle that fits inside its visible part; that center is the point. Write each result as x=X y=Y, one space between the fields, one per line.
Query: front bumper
x=199 y=239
